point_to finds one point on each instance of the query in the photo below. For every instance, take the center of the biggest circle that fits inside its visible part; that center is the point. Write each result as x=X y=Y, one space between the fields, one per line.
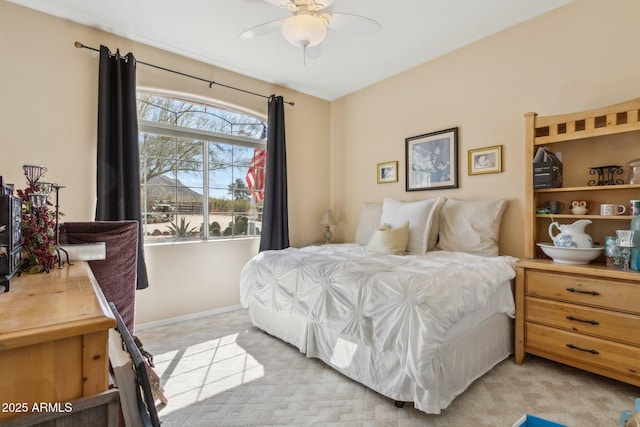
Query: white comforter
x=401 y=303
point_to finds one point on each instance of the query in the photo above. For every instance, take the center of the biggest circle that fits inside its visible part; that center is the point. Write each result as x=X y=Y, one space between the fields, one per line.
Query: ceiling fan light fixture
x=304 y=30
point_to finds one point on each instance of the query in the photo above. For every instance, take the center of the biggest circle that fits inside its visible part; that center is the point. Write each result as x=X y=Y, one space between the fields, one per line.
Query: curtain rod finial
x=78 y=45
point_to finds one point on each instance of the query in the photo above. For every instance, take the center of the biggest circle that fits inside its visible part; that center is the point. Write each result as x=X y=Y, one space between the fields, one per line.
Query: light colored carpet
x=222 y=371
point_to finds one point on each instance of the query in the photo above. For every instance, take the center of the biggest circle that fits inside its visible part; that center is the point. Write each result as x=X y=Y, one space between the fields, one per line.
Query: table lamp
x=327 y=220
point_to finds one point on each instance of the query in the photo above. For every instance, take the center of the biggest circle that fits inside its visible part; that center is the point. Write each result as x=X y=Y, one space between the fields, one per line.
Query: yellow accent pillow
x=387 y=240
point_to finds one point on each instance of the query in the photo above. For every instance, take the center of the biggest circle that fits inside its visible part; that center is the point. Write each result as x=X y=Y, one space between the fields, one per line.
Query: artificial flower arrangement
x=38 y=232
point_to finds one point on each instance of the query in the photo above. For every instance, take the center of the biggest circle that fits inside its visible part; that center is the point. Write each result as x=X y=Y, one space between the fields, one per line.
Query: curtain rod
x=211 y=82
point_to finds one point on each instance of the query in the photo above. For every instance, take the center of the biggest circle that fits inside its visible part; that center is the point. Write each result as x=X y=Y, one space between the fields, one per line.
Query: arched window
x=201 y=169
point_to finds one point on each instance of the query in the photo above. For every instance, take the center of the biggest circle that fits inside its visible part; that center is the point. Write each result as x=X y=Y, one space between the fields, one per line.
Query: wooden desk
x=54 y=329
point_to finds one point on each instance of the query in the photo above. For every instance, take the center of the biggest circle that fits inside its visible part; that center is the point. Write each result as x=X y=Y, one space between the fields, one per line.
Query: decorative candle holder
x=33 y=172
x=625 y=243
x=59 y=249
x=38 y=200
x=634 y=171
x=45 y=187
x=612 y=251
x=606 y=175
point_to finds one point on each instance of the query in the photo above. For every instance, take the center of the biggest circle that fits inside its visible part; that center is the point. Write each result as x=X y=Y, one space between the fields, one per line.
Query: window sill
x=197 y=241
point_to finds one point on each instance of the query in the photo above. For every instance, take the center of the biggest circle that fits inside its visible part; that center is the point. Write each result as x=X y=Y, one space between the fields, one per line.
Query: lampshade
x=327 y=218
x=304 y=30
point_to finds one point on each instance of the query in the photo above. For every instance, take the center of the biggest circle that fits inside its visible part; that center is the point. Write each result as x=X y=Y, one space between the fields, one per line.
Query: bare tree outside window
x=194 y=163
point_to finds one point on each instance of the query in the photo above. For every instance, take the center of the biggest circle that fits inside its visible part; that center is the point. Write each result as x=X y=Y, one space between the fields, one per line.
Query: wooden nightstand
x=584 y=316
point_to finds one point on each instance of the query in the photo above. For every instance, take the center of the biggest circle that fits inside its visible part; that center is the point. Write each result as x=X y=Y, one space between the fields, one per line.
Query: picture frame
x=485 y=160
x=432 y=160
x=387 y=172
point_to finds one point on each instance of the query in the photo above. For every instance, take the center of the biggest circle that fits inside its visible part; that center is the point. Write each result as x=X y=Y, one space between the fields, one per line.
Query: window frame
x=204 y=137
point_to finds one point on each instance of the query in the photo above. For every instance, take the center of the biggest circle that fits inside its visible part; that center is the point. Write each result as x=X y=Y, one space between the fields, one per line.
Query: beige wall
x=575 y=58
x=48 y=117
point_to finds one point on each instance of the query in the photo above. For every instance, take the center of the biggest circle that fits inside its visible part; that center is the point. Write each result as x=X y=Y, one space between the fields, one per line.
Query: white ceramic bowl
x=570 y=255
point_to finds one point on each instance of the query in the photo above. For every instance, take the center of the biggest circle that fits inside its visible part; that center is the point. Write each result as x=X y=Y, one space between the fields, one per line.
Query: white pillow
x=435 y=224
x=471 y=226
x=388 y=240
x=369 y=221
x=420 y=216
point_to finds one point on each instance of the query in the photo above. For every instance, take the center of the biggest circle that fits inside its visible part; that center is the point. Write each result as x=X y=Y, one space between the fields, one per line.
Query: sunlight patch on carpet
x=343 y=351
x=203 y=370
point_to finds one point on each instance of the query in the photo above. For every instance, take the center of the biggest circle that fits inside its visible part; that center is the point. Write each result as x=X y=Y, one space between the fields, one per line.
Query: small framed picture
x=387 y=172
x=485 y=160
x=432 y=160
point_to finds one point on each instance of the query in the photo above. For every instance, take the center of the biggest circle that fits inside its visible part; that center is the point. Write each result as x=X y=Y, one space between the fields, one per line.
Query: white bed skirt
x=461 y=358
x=289 y=328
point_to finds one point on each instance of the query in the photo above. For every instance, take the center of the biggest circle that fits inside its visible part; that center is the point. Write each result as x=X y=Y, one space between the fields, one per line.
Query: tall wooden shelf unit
x=586 y=316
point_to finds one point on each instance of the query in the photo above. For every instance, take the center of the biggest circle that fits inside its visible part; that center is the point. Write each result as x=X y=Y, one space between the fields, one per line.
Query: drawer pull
x=594 y=293
x=573 y=347
x=593 y=322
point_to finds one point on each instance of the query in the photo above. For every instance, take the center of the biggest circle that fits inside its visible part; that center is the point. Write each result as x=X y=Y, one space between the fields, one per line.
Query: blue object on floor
x=626 y=415
x=533 y=421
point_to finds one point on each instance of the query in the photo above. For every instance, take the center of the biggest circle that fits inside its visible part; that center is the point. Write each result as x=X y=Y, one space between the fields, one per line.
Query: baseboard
x=186 y=317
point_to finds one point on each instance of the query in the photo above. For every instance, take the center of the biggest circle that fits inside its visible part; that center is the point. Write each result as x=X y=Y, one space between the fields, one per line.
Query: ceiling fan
x=309 y=22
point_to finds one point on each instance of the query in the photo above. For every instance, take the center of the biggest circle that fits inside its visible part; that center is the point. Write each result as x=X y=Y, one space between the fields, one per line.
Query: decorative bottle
x=635 y=250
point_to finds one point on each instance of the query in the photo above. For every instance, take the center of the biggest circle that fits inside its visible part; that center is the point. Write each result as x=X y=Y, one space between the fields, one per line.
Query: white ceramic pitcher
x=571 y=235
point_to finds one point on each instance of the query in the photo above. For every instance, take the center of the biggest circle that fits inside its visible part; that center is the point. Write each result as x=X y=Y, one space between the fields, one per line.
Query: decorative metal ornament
x=606 y=175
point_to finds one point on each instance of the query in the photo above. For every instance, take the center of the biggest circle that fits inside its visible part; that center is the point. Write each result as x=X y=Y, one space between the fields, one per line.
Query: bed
x=417 y=308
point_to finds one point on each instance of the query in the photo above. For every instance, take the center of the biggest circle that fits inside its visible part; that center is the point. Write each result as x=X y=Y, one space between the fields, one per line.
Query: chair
x=117 y=273
x=142 y=385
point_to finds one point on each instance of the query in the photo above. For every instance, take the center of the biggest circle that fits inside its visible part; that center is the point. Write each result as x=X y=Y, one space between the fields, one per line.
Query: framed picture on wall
x=432 y=160
x=485 y=160
x=387 y=172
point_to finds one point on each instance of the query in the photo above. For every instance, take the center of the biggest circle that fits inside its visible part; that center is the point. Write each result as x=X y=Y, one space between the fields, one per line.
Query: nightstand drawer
x=588 y=290
x=592 y=321
x=604 y=354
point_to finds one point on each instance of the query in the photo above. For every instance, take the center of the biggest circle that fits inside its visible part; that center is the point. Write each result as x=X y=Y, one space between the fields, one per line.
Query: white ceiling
x=413 y=32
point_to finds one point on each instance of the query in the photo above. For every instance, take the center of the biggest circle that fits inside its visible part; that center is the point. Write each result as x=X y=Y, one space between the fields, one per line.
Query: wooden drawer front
x=592 y=321
x=621 y=358
x=596 y=292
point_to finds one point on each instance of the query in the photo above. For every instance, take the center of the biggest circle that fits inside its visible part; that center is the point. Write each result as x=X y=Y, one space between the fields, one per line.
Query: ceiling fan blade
x=325 y=3
x=285 y=3
x=278 y=2
x=262 y=29
x=351 y=23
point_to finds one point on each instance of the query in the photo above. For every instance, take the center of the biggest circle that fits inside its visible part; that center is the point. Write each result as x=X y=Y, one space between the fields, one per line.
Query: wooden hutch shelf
x=589 y=188
x=585 y=316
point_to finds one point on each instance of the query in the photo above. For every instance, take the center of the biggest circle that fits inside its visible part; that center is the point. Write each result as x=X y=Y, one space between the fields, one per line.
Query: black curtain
x=118 y=190
x=275 y=216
